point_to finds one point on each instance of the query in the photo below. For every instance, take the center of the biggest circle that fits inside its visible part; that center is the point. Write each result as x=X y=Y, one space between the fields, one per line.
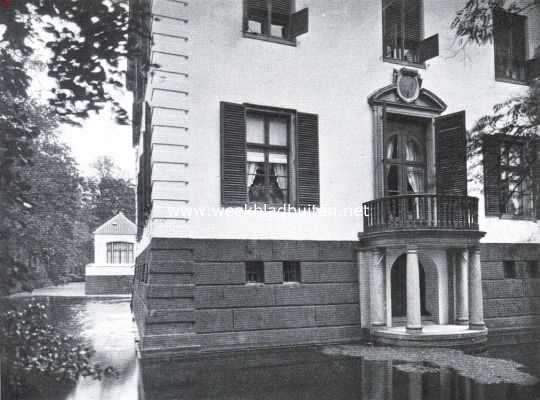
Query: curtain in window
x=415 y=180
x=391 y=148
x=278 y=177
x=412 y=151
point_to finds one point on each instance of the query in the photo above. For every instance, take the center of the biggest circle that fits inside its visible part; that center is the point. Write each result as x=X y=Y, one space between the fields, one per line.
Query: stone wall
x=511 y=304
x=192 y=295
x=110 y=284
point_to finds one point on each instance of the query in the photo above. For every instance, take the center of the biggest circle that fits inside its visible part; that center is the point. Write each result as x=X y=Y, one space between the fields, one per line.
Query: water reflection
x=283 y=375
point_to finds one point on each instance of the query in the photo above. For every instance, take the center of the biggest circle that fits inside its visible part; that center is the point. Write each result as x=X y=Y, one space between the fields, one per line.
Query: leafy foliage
x=517 y=116
x=87 y=41
x=33 y=349
x=110 y=194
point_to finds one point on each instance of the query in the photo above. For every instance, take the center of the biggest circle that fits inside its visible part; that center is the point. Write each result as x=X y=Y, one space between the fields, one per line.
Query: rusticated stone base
x=109 y=284
x=192 y=295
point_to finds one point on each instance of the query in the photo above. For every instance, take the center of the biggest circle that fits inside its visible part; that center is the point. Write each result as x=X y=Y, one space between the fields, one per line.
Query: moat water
x=282 y=375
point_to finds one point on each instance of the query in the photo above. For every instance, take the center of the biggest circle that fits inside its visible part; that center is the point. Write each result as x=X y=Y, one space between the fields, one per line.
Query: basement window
x=254 y=272
x=291 y=271
x=532 y=269
x=509 y=269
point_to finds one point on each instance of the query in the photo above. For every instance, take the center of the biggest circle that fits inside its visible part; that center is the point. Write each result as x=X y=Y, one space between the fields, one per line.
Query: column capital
x=474 y=249
x=412 y=248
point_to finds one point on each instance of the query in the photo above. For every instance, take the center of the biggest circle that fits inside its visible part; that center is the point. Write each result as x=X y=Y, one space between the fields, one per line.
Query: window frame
x=525 y=44
x=533 y=270
x=122 y=249
x=522 y=170
x=510 y=269
x=267 y=148
x=268 y=24
x=258 y=271
x=296 y=272
x=401 y=162
x=400 y=61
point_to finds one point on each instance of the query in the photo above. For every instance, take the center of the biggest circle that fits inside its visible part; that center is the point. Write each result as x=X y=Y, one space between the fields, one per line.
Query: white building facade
x=114 y=261
x=303 y=176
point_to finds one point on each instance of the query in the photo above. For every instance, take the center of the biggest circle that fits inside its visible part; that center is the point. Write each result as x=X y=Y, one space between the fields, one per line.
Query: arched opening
x=399 y=288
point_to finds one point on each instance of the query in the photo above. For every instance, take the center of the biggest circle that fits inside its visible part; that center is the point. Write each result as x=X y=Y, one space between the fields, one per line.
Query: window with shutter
x=403 y=33
x=451 y=154
x=274 y=20
x=510 y=177
x=510 y=45
x=270 y=157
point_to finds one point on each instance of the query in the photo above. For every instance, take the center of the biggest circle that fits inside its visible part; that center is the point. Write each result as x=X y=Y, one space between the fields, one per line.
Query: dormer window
x=274 y=20
x=403 y=33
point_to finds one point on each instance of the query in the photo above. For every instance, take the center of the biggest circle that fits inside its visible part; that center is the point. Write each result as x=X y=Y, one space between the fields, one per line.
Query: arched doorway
x=399 y=288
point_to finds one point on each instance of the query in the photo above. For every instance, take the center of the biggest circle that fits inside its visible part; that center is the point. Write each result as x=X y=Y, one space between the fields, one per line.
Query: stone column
x=476 y=305
x=377 y=288
x=462 y=287
x=363 y=263
x=416 y=391
x=414 y=313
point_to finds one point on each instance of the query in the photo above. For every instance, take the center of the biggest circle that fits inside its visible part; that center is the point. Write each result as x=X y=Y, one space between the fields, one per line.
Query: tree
x=89 y=50
x=43 y=219
x=518 y=116
x=110 y=193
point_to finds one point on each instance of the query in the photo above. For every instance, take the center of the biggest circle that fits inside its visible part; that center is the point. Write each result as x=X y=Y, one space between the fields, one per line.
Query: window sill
x=511 y=81
x=272 y=39
x=402 y=62
x=518 y=217
x=293 y=284
x=255 y=284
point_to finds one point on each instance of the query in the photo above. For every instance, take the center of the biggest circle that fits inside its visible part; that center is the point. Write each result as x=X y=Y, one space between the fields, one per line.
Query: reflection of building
x=266 y=103
x=112 y=270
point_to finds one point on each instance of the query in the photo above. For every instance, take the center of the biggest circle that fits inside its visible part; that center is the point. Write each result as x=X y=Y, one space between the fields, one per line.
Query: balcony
x=421 y=211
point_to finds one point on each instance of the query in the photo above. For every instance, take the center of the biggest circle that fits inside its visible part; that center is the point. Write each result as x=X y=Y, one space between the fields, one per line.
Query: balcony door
x=404 y=156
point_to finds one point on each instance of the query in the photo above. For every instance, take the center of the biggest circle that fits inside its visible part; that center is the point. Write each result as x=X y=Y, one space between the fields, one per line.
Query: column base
x=377 y=324
x=477 y=327
x=462 y=321
x=414 y=329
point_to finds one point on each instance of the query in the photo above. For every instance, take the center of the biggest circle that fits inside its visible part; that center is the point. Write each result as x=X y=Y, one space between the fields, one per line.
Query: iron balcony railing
x=421 y=211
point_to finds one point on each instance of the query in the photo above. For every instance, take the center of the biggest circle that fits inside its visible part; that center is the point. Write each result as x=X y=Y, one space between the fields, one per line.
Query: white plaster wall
x=100 y=246
x=331 y=72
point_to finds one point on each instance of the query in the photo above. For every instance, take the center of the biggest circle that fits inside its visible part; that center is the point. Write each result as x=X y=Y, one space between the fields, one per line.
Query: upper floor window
x=403 y=33
x=510 y=42
x=270 y=156
x=404 y=158
x=511 y=176
x=119 y=253
x=515 y=180
x=274 y=20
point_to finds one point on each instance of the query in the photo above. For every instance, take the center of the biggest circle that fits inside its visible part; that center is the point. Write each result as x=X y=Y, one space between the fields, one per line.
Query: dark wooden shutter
x=307 y=147
x=490 y=151
x=233 y=154
x=428 y=48
x=533 y=69
x=451 y=153
x=282 y=7
x=299 y=23
x=140 y=199
x=535 y=159
x=147 y=156
x=257 y=4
